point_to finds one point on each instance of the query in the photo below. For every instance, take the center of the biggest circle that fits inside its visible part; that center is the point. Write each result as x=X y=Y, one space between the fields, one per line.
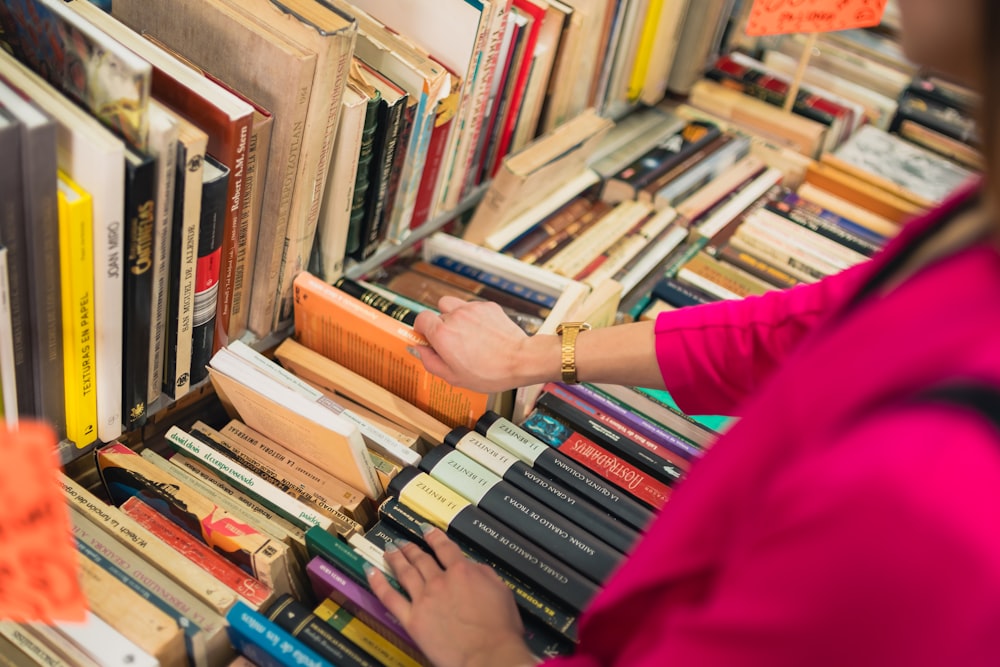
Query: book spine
x=485 y=277
x=251 y=590
x=38 y=651
x=462 y=521
x=667 y=464
x=257 y=150
x=528 y=599
x=825 y=228
x=163 y=143
x=363 y=178
x=266 y=644
x=545 y=458
x=423 y=207
x=127 y=474
x=342 y=555
x=599 y=461
x=363 y=635
x=544 y=251
x=245 y=480
x=695 y=435
x=296 y=619
x=557 y=497
x=211 y=233
x=8 y=379
x=140 y=207
x=612 y=260
x=757 y=267
x=376 y=301
x=578 y=548
x=386 y=145
x=76 y=259
x=183 y=264
x=482 y=290
x=678 y=294
x=406 y=130
x=329 y=581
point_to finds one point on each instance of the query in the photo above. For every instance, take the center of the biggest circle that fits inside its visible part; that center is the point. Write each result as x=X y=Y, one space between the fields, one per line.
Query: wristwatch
x=568 y=331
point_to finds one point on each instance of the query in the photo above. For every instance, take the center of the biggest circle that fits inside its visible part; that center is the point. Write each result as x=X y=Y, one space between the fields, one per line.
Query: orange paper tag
x=778 y=17
x=38 y=562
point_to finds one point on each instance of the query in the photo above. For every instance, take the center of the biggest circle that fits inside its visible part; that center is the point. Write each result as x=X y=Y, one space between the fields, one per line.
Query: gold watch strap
x=569 y=331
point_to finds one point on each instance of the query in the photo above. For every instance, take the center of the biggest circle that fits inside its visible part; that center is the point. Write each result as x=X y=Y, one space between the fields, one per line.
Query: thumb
x=433 y=362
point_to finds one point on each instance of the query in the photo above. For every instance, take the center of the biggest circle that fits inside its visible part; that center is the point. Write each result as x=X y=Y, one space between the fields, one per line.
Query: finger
x=392 y=599
x=406 y=574
x=446 y=551
x=434 y=363
x=448 y=303
x=421 y=560
x=426 y=323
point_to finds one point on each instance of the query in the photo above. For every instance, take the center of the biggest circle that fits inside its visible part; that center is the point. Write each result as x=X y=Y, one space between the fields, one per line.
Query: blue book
x=267 y=645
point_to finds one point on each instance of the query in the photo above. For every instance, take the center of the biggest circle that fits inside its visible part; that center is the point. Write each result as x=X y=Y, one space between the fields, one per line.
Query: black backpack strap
x=982 y=398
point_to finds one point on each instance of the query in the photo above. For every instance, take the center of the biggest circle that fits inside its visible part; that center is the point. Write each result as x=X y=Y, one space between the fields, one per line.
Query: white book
x=628 y=247
x=793 y=245
x=88 y=152
x=376 y=438
x=102 y=642
x=833 y=252
x=338 y=195
x=239 y=370
x=753 y=191
x=704 y=284
x=163 y=133
x=8 y=383
x=652 y=257
x=584 y=249
x=702 y=173
x=774 y=251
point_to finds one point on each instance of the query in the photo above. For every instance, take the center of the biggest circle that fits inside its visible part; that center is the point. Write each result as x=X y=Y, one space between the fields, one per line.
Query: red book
x=250 y=589
x=435 y=156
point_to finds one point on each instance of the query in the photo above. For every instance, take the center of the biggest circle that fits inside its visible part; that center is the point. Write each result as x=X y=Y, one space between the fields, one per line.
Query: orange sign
x=38 y=561
x=777 y=17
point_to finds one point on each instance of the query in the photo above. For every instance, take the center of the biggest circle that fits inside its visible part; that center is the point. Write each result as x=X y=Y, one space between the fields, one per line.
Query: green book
x=363 y=178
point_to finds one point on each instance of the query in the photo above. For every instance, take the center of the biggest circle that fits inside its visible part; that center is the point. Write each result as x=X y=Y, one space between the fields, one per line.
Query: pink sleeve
x=713 y=356
x=866 y=559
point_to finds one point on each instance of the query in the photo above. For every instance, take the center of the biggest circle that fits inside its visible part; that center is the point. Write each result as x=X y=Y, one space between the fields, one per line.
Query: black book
x=467 y=523
x=294 y=617
x=12 y=236
x=362 y=179
x=575 y=476
x=211 y=230
x=678 y=294
x=568 y=503
x=406 y=124
x=579 y=548
x=37 y=162
x=140 y=204
x=398 y=520
x=376 y=300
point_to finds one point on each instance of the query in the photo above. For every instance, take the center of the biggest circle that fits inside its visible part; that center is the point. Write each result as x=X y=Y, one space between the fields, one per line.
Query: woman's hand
x=459 y=613
x=474 y=344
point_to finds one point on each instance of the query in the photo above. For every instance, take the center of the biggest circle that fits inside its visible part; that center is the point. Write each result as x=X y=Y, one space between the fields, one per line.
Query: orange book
x=861 y=192
x=374 y=345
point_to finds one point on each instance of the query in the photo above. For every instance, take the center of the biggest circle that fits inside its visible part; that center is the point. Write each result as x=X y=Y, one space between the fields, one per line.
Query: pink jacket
x=841 y=521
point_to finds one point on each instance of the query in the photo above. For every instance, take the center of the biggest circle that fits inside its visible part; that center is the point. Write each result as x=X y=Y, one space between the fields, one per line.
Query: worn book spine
x=648 y=192
x=579 y=548
x=548 y=226
x=528 y=599
x=363 y=178
x=481 y=289
x=251 y=590
x=757 y=267
x=390 y=124
x=392 y=199
x=724 y=281
x=127 y=474
x=296 y=619
x=376 y=300
x=211 y=232
x=444 y=121
x=554 y=495
x=462 y=521
x=535 y=450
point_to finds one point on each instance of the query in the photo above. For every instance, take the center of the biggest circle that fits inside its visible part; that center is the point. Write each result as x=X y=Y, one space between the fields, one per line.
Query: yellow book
x=363 y=635
x=642 y=55
x=76 y=268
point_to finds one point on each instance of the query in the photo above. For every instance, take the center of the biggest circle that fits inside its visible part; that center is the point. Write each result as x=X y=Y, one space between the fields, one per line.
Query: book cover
x=363 y=635
x=251 y=590
x=374 y=345
x=125 y=474
x=444 y=124
x=102 y=641
x=76 y=268
x=366 y=154
x=282 y=414
x=43 y=324
x=191 y=147
x=83 y=62
x=211 y=230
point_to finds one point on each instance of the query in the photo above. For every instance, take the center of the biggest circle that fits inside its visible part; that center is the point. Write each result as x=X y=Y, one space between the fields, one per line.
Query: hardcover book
x=211 y=230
